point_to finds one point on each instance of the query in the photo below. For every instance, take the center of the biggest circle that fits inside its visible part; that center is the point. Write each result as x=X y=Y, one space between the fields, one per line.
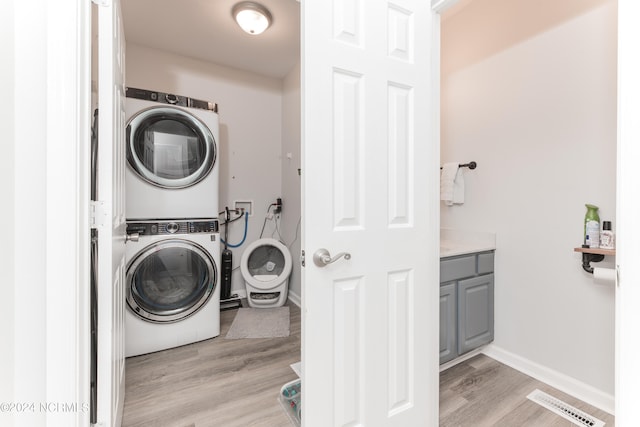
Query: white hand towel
x=447 y=178
x=451 y=184
x=458 y=188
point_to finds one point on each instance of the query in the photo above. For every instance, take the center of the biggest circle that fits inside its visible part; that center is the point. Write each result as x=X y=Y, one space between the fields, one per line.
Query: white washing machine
x=173 y=276
x=172 y=144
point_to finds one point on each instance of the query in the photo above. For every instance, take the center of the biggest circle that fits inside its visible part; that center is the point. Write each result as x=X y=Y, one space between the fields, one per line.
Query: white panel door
x=110 y=218
x=370 y=182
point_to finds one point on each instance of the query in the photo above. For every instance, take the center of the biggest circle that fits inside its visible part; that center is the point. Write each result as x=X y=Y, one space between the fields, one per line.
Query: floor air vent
x=563 y=409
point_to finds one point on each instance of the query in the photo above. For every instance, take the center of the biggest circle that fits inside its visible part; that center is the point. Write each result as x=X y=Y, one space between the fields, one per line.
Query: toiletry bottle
x=606 y=236
x=592 y=227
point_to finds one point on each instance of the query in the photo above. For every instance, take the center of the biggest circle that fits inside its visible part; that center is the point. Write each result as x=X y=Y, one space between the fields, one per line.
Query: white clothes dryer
x=172 y=284
x=172 y=156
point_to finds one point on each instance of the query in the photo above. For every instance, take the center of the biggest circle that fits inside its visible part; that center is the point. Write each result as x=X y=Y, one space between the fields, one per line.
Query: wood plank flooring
x=235 y=383
x=484 y=392
x=213 y=383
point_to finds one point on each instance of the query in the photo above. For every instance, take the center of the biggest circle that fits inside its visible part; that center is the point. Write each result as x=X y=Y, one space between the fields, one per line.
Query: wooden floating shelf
x=596 y=251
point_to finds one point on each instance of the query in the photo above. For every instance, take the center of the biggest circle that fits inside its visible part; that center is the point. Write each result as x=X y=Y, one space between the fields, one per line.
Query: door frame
x=67 y=94
x=68 y=123
x=628 y=205
x=51 y=127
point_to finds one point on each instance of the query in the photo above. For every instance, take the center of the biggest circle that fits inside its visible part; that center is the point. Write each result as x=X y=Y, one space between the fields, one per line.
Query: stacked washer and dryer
x=173 y=249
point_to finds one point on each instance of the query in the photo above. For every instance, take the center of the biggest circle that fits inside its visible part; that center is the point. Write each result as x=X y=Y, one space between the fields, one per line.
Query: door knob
x=322 y=257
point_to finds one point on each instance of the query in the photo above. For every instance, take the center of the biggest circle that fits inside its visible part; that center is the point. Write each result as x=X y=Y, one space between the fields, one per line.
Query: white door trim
x=68 y=124
x=49 y=130
x=440 y=6
x=628 y=206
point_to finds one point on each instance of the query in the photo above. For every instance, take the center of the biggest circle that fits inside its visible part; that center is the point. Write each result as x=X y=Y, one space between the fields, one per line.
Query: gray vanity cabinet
x=475 y=312
x=466 y=303
x=448 y=322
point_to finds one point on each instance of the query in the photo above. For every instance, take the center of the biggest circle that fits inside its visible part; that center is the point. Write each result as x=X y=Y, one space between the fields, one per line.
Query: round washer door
x=170 y=148
x=170 y=280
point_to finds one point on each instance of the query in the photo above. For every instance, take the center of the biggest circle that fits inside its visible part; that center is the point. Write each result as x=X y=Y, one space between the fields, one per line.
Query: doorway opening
x=255 y=80
x=523 y=89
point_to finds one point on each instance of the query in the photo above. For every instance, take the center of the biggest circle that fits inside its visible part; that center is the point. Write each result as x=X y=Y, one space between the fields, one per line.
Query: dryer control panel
x=171 y=99
x=153 y=228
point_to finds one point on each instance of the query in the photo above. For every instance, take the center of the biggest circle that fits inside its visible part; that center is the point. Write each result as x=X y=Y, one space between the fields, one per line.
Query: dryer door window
x=170 y=280
x=170 y=148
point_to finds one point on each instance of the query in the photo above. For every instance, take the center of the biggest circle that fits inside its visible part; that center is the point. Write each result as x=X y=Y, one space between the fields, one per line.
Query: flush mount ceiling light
x=252 y=17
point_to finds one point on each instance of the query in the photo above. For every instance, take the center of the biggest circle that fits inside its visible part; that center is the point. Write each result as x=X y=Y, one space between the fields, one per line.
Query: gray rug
x=260 y=323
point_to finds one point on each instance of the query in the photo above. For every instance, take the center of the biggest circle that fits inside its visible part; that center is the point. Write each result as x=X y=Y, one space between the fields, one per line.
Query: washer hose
x=244 y=237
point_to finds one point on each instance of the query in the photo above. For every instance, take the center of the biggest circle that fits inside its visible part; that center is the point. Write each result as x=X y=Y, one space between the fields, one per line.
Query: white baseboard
x=460 y=359
x=562 y=382
x=294 y=298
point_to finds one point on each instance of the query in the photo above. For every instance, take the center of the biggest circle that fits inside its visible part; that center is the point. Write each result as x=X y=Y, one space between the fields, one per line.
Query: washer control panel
x=154 y=228
x=210 y=226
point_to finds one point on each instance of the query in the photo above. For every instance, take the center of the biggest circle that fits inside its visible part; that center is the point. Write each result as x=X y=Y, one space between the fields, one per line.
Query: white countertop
x=460 y=242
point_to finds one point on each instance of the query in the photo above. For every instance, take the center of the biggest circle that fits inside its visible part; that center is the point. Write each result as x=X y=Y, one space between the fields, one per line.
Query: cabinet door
x=448 y=322
x=475 y=312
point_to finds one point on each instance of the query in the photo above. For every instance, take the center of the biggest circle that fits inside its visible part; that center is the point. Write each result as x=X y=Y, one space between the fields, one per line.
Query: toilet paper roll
x=604 y=276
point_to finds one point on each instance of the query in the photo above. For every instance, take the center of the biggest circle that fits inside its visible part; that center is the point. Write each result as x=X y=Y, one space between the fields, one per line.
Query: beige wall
x=291 y=161
x=529 y=92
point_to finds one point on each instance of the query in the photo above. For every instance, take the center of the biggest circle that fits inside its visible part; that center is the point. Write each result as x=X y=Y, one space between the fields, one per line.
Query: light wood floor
x=235 y=383
x=484 y=392
x=213 y=383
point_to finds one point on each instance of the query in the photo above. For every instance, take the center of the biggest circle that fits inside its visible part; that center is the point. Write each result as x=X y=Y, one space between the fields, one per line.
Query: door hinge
x=101 y=2
x=97 y=214
x=302 y=258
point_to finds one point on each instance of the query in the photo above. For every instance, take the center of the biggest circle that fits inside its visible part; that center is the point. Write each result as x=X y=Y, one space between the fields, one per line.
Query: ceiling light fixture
x=252 y=17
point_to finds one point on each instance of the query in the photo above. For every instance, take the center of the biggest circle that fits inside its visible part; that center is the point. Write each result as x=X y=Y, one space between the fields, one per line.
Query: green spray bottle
x=592 y=227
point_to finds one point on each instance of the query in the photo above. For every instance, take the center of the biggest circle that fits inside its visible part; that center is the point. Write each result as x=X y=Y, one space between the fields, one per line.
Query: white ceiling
x=205 y=30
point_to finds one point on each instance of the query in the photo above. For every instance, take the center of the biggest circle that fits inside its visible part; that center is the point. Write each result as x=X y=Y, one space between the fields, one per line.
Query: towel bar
x=470 y=165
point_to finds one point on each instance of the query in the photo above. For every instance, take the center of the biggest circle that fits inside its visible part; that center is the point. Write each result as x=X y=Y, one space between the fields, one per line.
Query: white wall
x=529 y=92
x=291 y=161
x=250 y=113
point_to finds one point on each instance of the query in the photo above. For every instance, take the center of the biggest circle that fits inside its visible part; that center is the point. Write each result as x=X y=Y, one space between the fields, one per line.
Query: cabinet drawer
x=485 y=263
x=457 y=268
